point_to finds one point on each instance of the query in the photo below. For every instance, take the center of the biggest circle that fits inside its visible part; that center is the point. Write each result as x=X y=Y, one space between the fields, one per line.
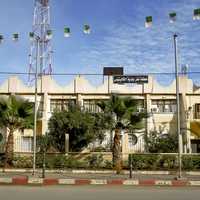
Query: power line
x=97 y=74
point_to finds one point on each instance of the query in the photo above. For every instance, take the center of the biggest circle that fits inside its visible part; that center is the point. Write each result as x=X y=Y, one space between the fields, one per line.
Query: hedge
x=163 y=162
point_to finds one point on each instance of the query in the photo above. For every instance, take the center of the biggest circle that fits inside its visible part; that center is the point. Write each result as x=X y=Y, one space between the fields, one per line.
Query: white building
x=160 y=101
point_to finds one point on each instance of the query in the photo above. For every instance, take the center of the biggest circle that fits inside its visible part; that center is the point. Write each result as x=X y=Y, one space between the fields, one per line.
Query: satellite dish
x=134 y=139
x=1 y=137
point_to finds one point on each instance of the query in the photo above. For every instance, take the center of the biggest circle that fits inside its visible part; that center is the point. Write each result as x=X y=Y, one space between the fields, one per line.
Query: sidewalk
x=106 y=177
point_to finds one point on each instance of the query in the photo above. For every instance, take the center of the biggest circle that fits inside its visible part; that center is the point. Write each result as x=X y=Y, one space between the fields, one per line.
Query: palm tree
x=15 y=113
x=125 y=117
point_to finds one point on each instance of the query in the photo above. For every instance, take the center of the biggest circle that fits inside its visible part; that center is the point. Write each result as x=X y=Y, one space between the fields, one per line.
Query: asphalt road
x=98 y=193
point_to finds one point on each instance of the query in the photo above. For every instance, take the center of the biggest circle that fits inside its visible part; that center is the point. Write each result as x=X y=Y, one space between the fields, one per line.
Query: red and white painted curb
x=24 y=180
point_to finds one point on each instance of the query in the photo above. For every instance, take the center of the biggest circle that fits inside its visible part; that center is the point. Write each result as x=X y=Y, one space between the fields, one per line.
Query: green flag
x=172 y=17
x=1 y=38
x=67 y=32
x=86 y=29
x=15 y=37
x=196 y=14
x=49 y=34
x=149 y=21
x=31 y=35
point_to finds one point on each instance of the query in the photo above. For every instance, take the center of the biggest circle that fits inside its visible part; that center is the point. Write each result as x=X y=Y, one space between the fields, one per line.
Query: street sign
x=130 y=79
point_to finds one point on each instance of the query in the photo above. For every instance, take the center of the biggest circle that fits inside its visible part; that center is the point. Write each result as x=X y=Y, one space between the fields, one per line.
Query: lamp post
x=180 y=143
x=172 y=19
x=37 y=39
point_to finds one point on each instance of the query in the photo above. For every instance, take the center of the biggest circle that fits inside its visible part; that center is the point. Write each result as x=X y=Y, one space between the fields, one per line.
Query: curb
x=24 y=180
x=80 y=171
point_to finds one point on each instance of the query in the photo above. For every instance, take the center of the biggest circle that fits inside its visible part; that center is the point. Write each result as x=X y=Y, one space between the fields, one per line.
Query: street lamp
x=38 y=40
x=180 y=145
x=32 y=37
x=148 y=23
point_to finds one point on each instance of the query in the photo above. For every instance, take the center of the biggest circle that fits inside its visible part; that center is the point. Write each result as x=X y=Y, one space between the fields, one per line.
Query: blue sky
x=118 y=36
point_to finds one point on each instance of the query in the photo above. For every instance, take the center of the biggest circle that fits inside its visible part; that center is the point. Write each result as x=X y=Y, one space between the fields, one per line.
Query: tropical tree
x=82 y=126
x=15 y=113
x=162 y=143
x=123 y=112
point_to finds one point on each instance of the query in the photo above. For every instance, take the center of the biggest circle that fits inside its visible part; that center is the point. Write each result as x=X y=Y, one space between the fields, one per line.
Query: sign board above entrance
x=130 y=79
x=109 y=71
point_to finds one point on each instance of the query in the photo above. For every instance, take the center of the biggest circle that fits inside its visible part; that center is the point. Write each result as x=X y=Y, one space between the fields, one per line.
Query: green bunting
x=49 y=34
x=1 y=38
x=149 y=21
x=15 y=37
x=86 y=29
x=67 y=32
x=31 y=35
x=172 y=17
x=196 y=14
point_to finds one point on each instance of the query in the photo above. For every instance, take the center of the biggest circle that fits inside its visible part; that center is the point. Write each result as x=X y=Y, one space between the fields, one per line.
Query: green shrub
x=23 y=162
x=144 y=161
x=95 y=161
x=2 y=157
x=108 y=164
x=163 y=162
x=191 y=162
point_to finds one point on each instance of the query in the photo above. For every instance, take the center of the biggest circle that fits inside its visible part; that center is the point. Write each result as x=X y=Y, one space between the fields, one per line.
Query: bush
x=59 y=161
x=95 y=161
x=191 y=162
x=23 y=162
x=144 y=161
x=162 y=143
x=2 y=157
x=163 y=162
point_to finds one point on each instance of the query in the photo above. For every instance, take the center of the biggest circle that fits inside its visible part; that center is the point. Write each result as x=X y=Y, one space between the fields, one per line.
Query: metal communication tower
x=41 y=55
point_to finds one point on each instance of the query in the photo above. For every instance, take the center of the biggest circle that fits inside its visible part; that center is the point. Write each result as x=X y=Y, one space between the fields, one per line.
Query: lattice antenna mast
x=42 y=32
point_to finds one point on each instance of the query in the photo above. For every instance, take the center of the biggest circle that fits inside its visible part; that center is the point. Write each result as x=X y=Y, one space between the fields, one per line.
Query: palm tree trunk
x=9 y=151
x=117 y=152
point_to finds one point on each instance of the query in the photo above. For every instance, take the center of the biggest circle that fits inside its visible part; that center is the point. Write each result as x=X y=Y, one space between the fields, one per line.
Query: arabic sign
x=130 y=79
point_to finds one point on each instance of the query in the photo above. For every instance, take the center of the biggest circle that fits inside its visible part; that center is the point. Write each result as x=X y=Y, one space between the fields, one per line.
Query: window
x=26 y=144
x=61 y=104
x=197 y=111
x=163 y=106
x=91 y=105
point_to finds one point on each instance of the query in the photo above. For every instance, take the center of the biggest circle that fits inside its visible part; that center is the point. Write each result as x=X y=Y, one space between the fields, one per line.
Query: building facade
x=159 y=101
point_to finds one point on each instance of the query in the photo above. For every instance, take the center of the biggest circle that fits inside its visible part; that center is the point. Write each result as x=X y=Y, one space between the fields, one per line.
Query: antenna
x=42 y=30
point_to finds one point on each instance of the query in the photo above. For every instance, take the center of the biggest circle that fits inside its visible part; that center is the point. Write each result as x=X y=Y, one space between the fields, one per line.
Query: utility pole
x=37 y=40
x=175 y=36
